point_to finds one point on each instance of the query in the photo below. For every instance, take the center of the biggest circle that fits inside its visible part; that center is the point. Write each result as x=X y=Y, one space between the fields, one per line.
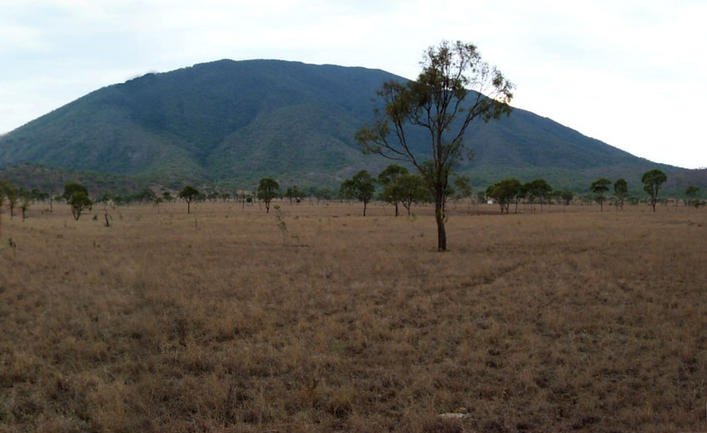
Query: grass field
x=229 y=320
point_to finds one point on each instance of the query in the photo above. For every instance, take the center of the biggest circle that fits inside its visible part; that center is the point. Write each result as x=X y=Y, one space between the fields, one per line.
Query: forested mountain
x=229 y=122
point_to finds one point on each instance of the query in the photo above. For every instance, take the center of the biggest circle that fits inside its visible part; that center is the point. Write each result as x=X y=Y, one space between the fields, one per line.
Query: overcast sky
x=630 y=73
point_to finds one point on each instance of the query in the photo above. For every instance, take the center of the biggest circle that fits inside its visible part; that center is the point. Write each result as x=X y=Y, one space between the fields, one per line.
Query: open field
x=566 y=320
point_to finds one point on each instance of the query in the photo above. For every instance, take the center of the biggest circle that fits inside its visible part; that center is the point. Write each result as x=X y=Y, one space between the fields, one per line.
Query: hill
x=229 y=122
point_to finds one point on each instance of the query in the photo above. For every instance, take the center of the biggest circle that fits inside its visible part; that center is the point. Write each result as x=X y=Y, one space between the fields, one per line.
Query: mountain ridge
x=231 y=122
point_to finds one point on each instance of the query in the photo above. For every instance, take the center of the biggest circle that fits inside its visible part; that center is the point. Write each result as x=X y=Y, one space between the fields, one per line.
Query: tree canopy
x=360 y=187
x=652 y=180
x=455 y=87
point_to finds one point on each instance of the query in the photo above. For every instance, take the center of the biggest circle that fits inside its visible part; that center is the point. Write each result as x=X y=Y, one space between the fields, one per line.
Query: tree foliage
x=652 y=180
x=504 y=192
x=599 y=187
x=386 y=178
x=189 y=194
x=620 y=191
x=406 y=189
x=454 y=88
x=79 y=200
x=360 y=187
x=268 y=189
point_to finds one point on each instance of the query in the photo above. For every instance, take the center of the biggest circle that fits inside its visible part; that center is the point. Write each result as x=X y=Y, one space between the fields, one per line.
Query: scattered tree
x=504 y=192
x=388 y=177
x=455 y=87
x=537 y=188
x=620 y=191
x=79 y=201
x=463 y=186
x=360 y=187
x=11 y=195
x=25 y=200
x=189 y=194
x=268 y=189
x=407 y=189
x=652 y=180
x=599 y=187
x=567 y=196
x=691 y=192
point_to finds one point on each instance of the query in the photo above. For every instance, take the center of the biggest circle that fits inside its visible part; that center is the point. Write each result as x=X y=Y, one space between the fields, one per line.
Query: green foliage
x=189 y=194
x=504 y=192
x=360 y=187
x=71 y=188
x=620 y=191
x=10 y=193
x=599 y=187
x=406 y=189
x=440 y=103
x=463 y=186
x=537 y=189
x=691 y=192
x=79 y=202
x=652 y=180
x=567 y=196
x=387 y=177
x=268 y=189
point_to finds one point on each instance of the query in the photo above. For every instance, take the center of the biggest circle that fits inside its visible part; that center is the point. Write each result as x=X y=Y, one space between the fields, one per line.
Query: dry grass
x=567 y=320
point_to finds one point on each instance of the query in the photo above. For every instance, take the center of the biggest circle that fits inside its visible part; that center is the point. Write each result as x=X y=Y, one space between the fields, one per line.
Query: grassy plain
x=565 y=320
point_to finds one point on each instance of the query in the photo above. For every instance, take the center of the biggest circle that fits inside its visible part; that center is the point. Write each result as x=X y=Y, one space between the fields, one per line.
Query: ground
x=314 y=318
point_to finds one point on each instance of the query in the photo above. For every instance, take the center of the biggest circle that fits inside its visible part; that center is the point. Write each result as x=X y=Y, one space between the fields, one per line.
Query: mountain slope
x=234 y=122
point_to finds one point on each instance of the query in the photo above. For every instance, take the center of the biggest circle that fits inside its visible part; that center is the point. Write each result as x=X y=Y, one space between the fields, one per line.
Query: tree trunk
x=364 y=207
x=188 y=207
x=396 y=208
x=439 y=217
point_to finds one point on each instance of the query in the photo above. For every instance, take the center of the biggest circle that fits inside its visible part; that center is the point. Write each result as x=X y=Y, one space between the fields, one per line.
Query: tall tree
x=12 y=197
x=620 y=191
x=454 y=88
x=268 y=189
x=188 y=194
x=599 y=187
x=360 y=187
x=652 y=180
x=386 y=178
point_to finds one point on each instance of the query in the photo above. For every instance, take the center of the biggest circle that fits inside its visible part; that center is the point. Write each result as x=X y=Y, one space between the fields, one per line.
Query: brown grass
x=566 y=320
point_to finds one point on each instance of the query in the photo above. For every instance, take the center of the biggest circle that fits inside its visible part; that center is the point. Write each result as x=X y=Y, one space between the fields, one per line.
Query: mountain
x=229 y=122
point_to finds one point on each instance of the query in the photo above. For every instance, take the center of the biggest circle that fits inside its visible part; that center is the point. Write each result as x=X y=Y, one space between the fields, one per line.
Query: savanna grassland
x=229 y=320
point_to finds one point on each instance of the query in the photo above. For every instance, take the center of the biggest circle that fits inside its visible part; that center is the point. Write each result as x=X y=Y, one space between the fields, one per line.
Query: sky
x=630 y=73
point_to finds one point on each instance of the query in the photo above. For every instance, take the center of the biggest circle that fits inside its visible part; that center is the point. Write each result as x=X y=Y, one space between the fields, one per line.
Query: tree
x=620 y=191
x=454 y=88
x=189 y=194
x=10 y=192
x=360 y=187
x=599 y=187
x=407 y=189
x=268 y=189
x=504 y=192
x=79 y=201
x=692 y=192
x=386 y=178
x=537 y=188
x=463 y=186
x=652 y=180
x=567 y=196
x=293 y=193
x=26 y=198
